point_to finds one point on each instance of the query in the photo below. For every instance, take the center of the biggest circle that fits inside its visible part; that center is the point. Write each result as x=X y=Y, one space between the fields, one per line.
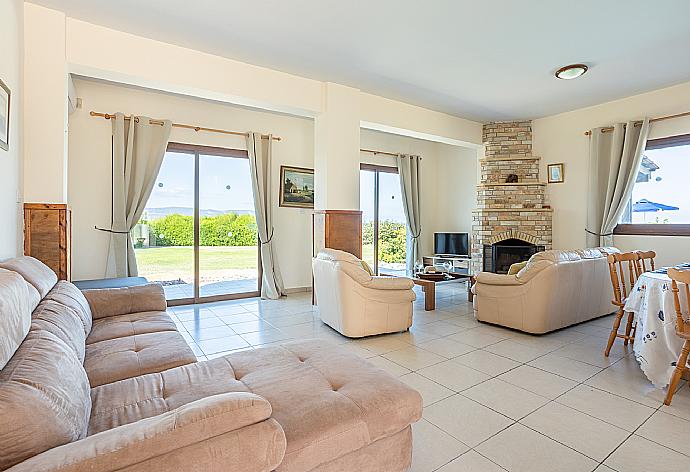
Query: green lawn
x=156 y=261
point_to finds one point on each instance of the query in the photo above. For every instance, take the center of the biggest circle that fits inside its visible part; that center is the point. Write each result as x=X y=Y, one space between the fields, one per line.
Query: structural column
x=336 y=149
x=45 y=106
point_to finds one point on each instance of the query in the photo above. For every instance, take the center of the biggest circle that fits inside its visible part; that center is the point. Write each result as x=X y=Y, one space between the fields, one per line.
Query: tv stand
x=459 y=264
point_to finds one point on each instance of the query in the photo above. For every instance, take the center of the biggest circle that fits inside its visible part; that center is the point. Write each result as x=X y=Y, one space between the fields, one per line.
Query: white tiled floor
x=494 y=399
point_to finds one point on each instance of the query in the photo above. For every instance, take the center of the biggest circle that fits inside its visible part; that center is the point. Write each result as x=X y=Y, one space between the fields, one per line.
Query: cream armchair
x=357 y=304
x=554 y=290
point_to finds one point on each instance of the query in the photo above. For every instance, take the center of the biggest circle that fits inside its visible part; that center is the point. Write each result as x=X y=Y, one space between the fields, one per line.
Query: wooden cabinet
x=337 y=229
x=47 y=236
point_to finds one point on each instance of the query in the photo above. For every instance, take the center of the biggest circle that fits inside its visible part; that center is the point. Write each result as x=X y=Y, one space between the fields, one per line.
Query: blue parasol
x=644 y=206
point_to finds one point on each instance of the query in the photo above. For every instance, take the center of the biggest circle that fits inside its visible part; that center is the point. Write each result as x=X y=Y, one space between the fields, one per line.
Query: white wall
x=560 y=138
x=449 y=172
x=45 y=111
x=57 y=44
x=90 y=167
x=449 y=179
x=12 y=38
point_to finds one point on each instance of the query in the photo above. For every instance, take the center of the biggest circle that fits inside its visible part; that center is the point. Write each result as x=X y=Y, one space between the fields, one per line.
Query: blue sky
x=390 y=199
x=215 y=175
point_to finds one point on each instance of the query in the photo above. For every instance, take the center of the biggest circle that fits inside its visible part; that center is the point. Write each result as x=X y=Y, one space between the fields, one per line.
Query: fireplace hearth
x=500 y=256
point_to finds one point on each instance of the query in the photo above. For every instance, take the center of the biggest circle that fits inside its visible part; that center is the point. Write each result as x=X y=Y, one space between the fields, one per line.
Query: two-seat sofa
x=102 y=381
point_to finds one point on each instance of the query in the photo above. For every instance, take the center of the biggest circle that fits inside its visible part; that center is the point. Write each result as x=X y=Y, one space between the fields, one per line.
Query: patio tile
x=211 y=333
x=433 y=447
x=505 y=398
x=453 y=375
x=638 y=454
x=519 y=449
x=466 y=420
x=202 y=323
x=212 y=346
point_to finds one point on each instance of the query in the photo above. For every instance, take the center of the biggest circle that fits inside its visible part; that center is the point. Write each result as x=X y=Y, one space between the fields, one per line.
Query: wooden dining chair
x=645 y=262
x=682 y=329
x=624 y=272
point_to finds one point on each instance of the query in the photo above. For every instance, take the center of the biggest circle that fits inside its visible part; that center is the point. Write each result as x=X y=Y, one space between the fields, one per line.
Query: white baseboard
x=297 y=290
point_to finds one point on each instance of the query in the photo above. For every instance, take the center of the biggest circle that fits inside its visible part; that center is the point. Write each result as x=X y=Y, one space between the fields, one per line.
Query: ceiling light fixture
x=573 y=71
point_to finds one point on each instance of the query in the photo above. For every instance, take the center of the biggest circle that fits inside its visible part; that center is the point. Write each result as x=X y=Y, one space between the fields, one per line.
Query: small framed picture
x=555 y=172
x=4 y=116
x=296 y=187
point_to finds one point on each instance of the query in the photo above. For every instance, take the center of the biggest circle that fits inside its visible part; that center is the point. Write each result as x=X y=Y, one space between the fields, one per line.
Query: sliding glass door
x=384 y=229
x=198 y=233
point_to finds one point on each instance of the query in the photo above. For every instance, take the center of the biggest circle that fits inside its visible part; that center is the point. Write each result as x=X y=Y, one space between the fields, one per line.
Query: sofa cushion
x=121 y=301
x=67 y=294
x=128 y=325
x=122 y=358
x=34 y=271
x=44 y=398
x=328 y=401
x=62 y=322
x=15 y=313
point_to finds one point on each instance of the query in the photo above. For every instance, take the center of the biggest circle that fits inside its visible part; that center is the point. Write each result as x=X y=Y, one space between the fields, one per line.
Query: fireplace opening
x=500 y=256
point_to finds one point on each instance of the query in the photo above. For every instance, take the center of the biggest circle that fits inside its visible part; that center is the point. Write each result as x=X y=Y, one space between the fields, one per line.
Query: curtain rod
x=638 y=123
x=108 y=116
x=385 y=153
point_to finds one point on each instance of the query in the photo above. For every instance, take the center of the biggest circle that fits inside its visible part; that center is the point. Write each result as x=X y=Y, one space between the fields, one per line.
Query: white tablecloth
x=657 y=346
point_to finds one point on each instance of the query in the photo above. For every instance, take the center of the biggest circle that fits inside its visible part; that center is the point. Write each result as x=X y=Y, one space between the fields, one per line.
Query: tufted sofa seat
x=554 y=290
x=325 y=411
x=102 y=381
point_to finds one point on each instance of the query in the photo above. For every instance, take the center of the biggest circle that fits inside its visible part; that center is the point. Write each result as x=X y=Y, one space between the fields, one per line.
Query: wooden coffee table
x=429 y=288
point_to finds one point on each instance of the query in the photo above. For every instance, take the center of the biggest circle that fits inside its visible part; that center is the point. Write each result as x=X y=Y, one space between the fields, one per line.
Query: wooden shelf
x=505 y=210
x=506 y=184
x=514 y=157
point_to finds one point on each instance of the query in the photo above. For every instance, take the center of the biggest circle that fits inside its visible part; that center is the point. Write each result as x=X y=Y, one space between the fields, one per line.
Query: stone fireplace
x=511 y=221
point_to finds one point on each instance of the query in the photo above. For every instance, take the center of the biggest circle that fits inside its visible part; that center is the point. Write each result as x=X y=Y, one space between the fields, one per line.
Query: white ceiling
x=483 y=60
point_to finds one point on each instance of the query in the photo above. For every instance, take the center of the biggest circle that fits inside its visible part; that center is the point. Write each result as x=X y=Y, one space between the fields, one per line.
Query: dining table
x=656 y=345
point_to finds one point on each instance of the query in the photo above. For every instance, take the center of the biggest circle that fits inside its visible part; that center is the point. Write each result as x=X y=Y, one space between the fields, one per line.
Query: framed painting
x=555 y=173
x=296 y=187
x=4 y=116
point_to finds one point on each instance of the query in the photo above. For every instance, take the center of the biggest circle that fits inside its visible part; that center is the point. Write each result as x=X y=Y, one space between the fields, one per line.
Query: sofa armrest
x=214 y=432
x=390 y=283
x=490 y=278
x=106 y=302
x=359 y=275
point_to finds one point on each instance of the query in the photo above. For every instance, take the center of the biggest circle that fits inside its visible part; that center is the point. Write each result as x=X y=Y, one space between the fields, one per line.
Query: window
x=384 y=231
x=660 y=203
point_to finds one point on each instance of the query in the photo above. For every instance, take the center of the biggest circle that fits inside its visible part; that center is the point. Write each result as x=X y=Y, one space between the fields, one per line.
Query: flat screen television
x=451 y=244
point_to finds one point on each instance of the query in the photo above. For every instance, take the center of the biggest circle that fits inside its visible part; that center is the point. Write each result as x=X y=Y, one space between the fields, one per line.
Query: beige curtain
x=410 y=182
x=614 y=161
x=138 y=151
x=259 y=149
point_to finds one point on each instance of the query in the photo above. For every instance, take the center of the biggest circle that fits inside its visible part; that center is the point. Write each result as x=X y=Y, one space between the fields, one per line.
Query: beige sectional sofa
x=554 y=290
x=102 y=381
